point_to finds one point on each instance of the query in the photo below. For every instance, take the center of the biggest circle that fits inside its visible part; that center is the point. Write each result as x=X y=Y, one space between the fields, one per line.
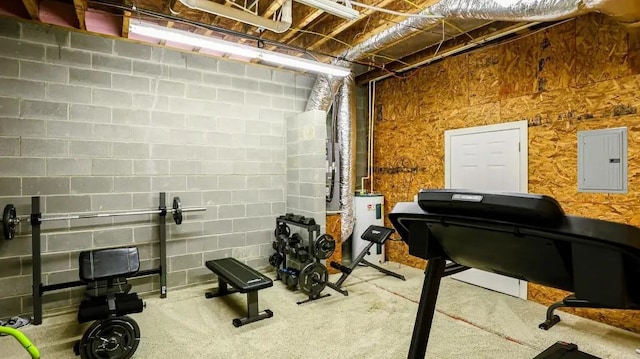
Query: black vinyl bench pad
x=243 y=279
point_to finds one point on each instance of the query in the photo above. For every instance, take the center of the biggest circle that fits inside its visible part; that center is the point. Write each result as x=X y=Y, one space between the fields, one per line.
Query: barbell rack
x=36 y=219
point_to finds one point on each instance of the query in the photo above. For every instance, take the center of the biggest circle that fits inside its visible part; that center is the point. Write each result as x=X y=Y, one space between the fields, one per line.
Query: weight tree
x=10 y=221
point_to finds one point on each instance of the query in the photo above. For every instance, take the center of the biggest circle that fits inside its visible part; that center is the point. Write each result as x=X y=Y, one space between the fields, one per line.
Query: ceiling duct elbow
x=280 y=26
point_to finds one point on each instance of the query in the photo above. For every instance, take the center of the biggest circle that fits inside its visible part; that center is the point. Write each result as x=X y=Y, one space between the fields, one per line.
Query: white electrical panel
x=602 y=160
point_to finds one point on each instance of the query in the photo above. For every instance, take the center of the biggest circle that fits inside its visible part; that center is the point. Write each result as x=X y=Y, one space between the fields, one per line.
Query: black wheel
x=113 y=338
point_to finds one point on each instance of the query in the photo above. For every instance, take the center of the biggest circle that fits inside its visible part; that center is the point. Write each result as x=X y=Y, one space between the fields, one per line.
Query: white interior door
x=488 y=158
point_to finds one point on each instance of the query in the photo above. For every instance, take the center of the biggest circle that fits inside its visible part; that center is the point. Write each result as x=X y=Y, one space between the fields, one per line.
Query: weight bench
x=243 y=279
x=375 y=235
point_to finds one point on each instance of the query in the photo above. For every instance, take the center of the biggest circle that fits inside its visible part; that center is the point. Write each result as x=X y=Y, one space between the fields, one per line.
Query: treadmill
x=524 y=236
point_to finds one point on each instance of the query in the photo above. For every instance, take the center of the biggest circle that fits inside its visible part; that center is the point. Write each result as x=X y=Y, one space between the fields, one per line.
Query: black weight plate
x=313 y=279
x=177 y=210
x=9 y=221
x=275 y=260
x=324 y=246
x=282 y=229
x=113 y=338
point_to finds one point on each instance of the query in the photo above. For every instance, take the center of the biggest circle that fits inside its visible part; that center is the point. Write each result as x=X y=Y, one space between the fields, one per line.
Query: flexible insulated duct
x=248 y=18
x=346 y=122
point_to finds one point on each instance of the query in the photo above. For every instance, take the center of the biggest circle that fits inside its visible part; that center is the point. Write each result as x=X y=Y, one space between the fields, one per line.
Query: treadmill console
x=509 y=207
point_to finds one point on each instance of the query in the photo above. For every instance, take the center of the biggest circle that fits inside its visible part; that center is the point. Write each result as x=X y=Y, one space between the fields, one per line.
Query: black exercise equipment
x=375 y=235
x=243 y=279
x=523 y=236
x=10 y=220
x=113 y=335
x=296 y=260
x=562 y=350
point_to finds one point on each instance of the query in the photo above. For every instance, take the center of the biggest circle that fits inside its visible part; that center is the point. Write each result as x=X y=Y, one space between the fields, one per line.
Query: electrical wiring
x=392 y=12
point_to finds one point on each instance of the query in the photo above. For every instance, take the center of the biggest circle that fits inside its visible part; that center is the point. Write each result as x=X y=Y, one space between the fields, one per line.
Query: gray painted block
x=92 y=43
x=21 y=50
x=258 y=127
x=189 y=106
x=10 y=186
x=232 y=154
x=232 y=182
x=54 y=262
x=23 y=166
x=219 y=254
x=217 y=80
x=131 y=150
x=9 y=27
x=242 y=225
x=232 y=240
x=151 y=135
x=185 y=167
x=256 y=182
x=13 y=305
x=65 y=129
x=168 y=183
x=172 y=57
x=231 y=67
x=217 y=227
x=231 y=125
x=90 y=78
x=68 y=166
x=150 y=167
x=9 y=107
x=39 y=71
x=132 y=49
x=176 y=248
x=111 y=202
x=112 y=167
x=21 y=127
x=245 y=84
x=177 y=279
x=113 y=132
x=112 y=98
x=67 y=204
x=149 y=69
x=80 y=185
x=231 y=211
x=271 y=88
x=305 y=81
x=201 y=92
x=199 y=275
x=9 y=67
x=130 y=83
x=188 y=229
x=42 y=147
x=113 y=237
x=150 y=102
x=131 y=117
x=44 y=110
x=66 y=93
x=256 y=154
x=47 y=34
x=66 y=56
x=45 y=186
x=15 y=286
x=201 y=62
x=132 y=184
x=186 y=137
x=183 y=74
x=168 y=119
x=259 y=209
x=283 y=103
x=169 y=88
x=205 y=183
x=90 y=149
x=230 y=96
x=285 y=77
x=88 y=113
x=21 y=88
x=202 y=122
x=259 y=72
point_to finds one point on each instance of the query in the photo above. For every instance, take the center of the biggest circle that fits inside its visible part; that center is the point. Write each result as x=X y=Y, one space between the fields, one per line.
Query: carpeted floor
x=374 y=321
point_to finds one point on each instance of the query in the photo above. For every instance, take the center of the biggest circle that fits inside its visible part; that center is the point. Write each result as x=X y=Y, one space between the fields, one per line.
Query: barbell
x=10 y=219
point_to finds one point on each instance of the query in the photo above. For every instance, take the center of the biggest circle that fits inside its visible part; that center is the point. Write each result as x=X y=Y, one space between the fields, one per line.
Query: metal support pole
x=36 y=261
x=163 y=245
x=426 y=308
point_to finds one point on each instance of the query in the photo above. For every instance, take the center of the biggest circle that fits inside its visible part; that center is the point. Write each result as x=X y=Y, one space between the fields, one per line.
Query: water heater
x=368 y=210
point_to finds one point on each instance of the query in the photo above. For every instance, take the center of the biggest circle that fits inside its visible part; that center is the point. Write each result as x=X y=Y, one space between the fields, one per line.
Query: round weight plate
x=313 y=279
x=9 y=221
x=324 y=245
x=275 y=260
x=113 y=338
x=177 y=210
x=282 y=228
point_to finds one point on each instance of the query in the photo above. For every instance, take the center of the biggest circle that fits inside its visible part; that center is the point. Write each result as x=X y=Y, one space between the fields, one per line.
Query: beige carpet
x=374 y=321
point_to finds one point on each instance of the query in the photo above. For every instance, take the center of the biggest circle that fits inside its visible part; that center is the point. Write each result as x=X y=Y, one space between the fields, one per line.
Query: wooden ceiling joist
x=32 y=7
x=125 y=23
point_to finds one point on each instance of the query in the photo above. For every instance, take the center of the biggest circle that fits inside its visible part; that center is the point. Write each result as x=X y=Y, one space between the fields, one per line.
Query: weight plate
x=177 y=210
x=313 y=279
x=9 y=219
x=113 y=338
x=282 y=228
x=275 y=260
x=324 y=246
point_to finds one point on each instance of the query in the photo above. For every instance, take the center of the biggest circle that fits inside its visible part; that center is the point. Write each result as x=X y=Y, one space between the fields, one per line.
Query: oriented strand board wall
x=582 y=74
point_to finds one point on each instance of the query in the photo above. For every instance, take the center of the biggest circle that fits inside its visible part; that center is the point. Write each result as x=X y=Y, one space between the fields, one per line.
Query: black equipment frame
x=40 y=289
x=313 y=231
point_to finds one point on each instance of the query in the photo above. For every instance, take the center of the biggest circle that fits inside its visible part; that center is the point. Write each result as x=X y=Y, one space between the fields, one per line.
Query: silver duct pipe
x=346 y=120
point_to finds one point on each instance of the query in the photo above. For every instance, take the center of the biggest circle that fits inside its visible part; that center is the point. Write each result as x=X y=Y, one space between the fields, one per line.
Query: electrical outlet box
x=602 y=160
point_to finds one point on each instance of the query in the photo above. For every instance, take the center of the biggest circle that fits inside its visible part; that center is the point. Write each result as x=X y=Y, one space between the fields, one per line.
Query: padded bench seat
x=243 y=279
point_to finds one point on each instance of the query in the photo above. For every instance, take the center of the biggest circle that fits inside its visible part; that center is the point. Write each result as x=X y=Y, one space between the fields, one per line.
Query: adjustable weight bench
x=243 y=279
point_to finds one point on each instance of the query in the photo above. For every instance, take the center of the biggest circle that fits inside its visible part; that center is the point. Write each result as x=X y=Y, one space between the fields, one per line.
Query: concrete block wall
x=99 y=124
x=306 y=165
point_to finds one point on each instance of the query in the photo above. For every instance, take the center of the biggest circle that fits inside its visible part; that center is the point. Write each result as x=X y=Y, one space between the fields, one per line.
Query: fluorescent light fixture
x=332 y=8
x=195 y=40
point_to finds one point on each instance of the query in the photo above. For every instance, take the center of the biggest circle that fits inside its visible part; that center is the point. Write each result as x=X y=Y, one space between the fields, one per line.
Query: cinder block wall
x=98 y=124
x=306 y=165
